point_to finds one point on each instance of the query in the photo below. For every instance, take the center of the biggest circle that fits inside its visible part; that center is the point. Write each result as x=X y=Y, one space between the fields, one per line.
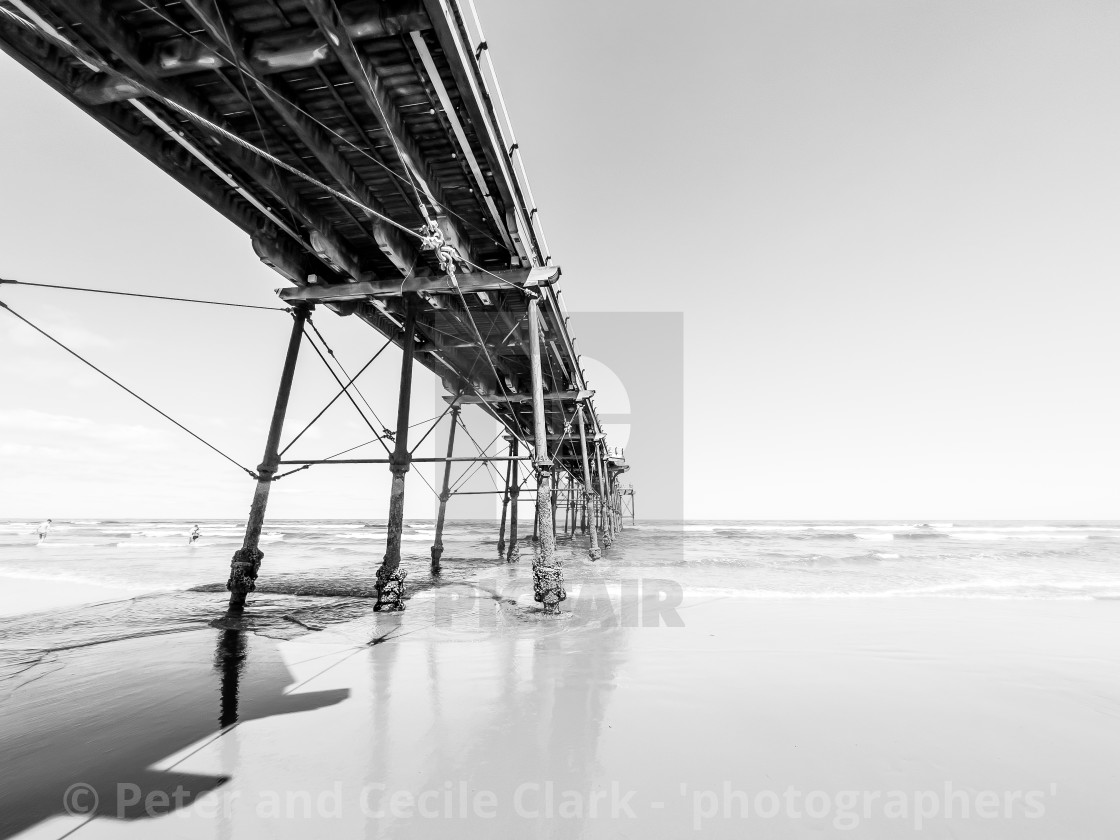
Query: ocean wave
x=1031 y=528
x=976 y=590
x=993 y=536
x=407 y=536
x=151 y=544
x=893 y=527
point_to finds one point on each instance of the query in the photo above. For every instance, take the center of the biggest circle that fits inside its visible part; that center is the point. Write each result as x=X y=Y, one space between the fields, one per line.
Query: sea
x=316 y=573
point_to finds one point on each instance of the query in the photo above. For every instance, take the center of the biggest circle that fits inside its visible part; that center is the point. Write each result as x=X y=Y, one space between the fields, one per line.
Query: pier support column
x=604 y=500
x=612 y=517
x=444 y=495
x=570 y=511
x=247 y=559
x=514 y=550
x=616 y=508
x=390 y=579
x=593 y=552
x=505 y=499
x=555 y=502
x=548 y=575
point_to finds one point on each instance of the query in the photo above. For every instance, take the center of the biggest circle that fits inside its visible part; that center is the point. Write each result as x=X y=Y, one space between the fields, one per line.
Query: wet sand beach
x=471 y=716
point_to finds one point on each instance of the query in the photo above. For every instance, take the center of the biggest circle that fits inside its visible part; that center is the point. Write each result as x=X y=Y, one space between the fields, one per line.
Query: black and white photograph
x=559 y=419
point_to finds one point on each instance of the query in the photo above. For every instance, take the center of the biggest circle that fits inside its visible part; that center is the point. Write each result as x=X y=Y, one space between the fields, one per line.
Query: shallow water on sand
x=317 y=573
x=799 y=683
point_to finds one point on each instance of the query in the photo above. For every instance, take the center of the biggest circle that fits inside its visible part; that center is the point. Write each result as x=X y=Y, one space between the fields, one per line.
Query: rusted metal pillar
x=570 y=510
x=563 y=489
x=514 y=551
x=608 y=511
x=505 y=499
x=593 y=552
x=573 y=507
x=390 y=579
x=593 y=512
x=444 y=495
x=612 y=515
x=603 y=500
x=548 y=574
x=583 y=497
x=247 y=559
x=616 y=507
x=555 y=497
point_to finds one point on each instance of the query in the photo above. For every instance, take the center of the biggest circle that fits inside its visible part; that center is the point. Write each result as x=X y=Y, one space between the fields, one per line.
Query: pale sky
x=891 y=228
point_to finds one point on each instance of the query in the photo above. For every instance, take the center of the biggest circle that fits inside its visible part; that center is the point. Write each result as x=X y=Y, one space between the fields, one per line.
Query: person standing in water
x=44 y=529
x=195 y=534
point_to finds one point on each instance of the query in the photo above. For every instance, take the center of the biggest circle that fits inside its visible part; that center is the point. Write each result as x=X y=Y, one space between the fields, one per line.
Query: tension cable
x=125 y=388
x=142 y=295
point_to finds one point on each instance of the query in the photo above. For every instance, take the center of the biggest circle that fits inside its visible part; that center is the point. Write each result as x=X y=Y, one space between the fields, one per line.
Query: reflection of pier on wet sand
x=469 y=718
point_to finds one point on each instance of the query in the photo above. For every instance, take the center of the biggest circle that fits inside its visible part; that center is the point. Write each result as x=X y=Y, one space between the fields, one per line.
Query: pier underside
x=364 y=149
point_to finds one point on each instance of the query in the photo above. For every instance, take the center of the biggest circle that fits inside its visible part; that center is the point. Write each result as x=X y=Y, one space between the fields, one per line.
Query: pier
x=366 y=151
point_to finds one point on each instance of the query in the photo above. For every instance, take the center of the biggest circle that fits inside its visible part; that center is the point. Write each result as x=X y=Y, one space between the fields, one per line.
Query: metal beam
x=553 y=396
x=397 y=248
x=465 y=149
x=369 y=86
x=446 y=27
x=294 y=48
x=106 y=26
x=498 y=281
x=411 y=460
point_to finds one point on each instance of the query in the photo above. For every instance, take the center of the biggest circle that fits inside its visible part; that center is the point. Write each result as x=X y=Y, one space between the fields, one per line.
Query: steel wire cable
x=8 y=281
x=128 y=390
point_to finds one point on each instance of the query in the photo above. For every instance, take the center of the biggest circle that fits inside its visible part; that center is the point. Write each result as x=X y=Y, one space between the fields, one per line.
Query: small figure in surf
x=44 y=529
x=195 y=534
